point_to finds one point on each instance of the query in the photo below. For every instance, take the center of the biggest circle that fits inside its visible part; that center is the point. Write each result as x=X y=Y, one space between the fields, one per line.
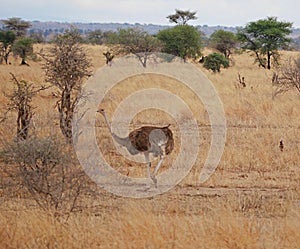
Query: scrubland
x=251 y=201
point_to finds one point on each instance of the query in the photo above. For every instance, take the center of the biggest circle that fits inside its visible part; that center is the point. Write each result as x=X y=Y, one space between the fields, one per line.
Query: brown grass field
x=251 y=201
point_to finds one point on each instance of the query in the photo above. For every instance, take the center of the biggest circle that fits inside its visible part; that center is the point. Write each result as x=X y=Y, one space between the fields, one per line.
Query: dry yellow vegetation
x=251 y=201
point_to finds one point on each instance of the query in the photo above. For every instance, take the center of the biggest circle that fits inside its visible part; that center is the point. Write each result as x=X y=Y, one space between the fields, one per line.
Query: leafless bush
x=287 y=77
x=46 y=169
x=20 y=101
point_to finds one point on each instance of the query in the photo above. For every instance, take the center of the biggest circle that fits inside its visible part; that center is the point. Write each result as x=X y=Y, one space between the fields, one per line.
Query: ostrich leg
x=153 y=177
x=148 y=169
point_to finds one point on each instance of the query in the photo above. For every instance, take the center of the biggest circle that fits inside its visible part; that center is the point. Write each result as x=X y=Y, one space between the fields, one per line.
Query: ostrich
x=146 y=139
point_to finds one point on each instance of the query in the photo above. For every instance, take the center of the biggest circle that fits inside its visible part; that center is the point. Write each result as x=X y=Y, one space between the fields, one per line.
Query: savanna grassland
x=251 y=201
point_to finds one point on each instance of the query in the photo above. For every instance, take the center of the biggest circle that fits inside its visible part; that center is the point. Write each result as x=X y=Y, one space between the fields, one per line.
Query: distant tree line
x=264 y=38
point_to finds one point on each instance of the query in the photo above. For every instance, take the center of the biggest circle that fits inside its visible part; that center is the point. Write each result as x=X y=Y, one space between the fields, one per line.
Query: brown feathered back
x=140 y=138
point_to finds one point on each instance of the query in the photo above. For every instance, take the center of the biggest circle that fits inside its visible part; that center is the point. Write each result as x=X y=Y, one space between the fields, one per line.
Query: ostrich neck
x=120 y=140
x=107 y=123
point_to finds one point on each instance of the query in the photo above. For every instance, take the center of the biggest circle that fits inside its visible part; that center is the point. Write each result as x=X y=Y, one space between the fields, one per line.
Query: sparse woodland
x=251 y=201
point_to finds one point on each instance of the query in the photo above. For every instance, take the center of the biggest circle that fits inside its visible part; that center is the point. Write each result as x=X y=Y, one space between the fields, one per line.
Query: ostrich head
x=101 y=111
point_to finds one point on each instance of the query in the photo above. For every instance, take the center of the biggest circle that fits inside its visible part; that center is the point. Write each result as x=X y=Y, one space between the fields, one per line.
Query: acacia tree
x=23 y=47
x=181 y=17
x=18 y=43
x=264 y=37
x=137 y=42
x=182 y=40
x=17 y=25
x=66 y=66
x=223 y=41
x=7 y=38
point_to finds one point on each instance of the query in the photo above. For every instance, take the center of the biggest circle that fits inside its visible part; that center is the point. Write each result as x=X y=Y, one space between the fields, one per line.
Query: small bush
x=287 y=77
x=214 y=62
x=46 y=169
x=20 y=101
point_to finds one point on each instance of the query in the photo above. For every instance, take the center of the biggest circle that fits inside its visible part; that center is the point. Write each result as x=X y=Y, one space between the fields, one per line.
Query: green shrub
x=214 y=62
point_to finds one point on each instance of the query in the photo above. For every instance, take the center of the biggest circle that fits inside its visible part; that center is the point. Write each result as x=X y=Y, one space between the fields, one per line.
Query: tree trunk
x=6 y=58
x=23 y=122
x=23 y=62
x=260 y=61
x=66 y=115
x=269 y=60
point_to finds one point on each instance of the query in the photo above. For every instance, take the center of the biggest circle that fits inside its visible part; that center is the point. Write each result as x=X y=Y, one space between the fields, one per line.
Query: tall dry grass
x=139 y=226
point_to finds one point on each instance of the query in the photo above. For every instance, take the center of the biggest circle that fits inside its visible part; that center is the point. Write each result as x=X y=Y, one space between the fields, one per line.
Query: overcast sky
x=210 y=12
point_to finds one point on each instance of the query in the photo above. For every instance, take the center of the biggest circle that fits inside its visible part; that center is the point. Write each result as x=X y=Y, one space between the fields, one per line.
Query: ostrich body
x=146 y=139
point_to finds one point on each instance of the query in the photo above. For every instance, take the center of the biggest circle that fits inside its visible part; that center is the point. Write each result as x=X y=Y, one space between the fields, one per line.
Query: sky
x=209 y=12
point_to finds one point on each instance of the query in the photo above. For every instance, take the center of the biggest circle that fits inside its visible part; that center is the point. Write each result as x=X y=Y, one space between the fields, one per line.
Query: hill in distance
x=52 y=27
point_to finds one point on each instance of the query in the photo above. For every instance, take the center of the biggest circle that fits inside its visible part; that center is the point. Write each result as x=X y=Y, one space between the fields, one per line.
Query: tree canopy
x=17 y=25
x=7 y=38
x=224 y=41
x=182 y=40
x=182 y=17
x=23 y=47
x=264 y=37
x=138 y=42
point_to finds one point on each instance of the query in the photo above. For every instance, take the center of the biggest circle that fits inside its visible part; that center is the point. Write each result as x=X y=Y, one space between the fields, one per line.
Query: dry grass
x=139 y=225
x=252 y=200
